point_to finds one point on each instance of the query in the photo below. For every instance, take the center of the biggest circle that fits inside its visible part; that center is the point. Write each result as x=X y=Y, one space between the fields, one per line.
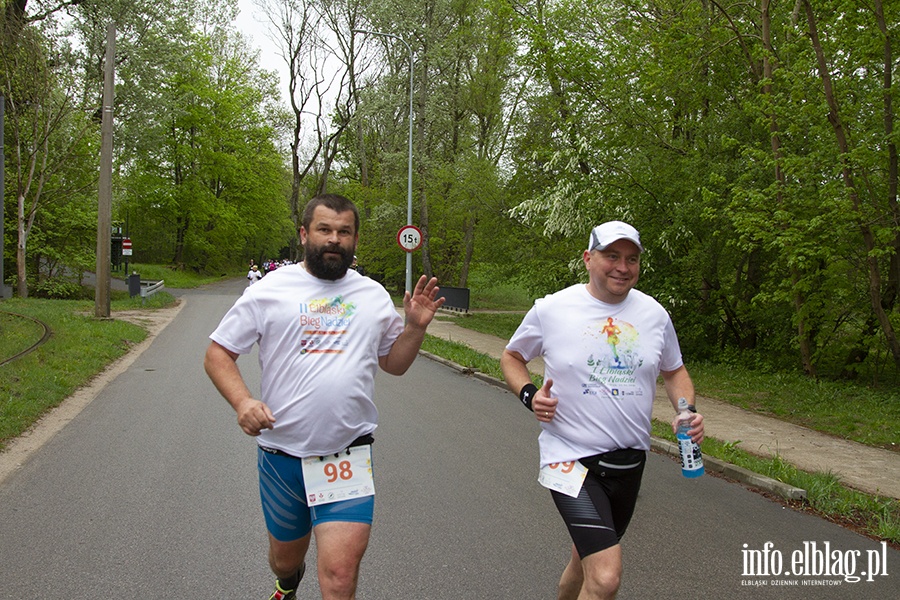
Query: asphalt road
x=150 y=492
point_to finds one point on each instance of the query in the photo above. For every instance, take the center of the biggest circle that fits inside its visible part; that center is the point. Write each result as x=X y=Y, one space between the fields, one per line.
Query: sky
x=250 y=23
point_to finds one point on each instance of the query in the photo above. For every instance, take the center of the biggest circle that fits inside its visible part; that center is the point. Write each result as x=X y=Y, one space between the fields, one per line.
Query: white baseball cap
x=611 y=232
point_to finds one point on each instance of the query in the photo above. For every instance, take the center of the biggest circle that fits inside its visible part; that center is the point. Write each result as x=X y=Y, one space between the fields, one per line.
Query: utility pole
x=104 y=204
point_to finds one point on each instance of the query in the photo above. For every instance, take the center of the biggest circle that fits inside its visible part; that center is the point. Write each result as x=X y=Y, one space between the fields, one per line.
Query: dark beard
x=330 y=268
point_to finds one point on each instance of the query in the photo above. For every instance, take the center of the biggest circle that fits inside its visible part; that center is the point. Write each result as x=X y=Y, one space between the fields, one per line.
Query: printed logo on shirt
x=325 y=322
x=615 y=358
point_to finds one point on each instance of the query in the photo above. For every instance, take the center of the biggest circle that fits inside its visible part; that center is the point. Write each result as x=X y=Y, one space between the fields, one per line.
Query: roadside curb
x=662 y=446
x=735 y=472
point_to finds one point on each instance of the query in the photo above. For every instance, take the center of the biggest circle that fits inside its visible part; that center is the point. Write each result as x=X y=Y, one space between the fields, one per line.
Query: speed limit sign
x=409 y=237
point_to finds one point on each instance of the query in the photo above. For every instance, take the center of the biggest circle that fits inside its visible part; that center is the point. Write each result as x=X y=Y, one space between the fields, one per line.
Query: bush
x=57 y=288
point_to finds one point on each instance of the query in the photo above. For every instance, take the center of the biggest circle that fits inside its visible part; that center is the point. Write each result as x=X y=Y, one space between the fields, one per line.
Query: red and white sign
x=126 y=247
x=409 y=237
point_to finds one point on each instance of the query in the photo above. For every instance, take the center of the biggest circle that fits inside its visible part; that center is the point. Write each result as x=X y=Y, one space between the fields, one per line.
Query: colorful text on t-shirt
x=325 y=322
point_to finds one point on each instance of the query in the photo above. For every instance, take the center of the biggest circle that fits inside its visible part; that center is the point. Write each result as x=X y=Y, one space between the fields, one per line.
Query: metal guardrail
x=148 y=288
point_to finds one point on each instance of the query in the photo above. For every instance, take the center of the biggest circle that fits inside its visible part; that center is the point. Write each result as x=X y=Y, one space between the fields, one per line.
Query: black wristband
x=692 y=408
x=526 y=394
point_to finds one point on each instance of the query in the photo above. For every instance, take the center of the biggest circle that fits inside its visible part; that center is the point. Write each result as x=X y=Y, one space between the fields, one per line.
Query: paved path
x=863 y=467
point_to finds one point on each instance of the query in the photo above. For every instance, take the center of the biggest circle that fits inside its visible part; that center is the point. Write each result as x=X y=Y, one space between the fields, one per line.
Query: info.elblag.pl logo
x=815 y=564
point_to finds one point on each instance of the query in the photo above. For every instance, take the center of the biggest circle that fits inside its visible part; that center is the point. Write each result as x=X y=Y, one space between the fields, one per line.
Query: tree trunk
x=21 y=267
x=803 y=337
x=181 y=230
x=892 y=287
x=14 y=21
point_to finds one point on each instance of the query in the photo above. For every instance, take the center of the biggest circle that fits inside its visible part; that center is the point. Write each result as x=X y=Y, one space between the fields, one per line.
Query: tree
x=870 y=214
x=710 y=137
x=316 y=43
x=206 y=188
x=463 y=69
x=47 y=131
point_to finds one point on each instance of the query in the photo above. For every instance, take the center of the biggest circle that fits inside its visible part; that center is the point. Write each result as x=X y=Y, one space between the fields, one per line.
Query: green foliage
x=771 y=238
x=207 y=189
x=667 y=119
x=57 y=289
x=51 y=155
x=378 y=252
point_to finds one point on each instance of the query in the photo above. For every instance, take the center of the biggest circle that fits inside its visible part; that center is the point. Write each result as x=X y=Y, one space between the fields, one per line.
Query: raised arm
x=420 y=308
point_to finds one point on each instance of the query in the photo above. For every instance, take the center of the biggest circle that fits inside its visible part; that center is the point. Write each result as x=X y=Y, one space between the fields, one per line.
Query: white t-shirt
x=319 y=343
x=604 y=360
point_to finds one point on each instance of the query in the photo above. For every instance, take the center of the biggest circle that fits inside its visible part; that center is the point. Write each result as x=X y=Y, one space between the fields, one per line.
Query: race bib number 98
x=342 y=477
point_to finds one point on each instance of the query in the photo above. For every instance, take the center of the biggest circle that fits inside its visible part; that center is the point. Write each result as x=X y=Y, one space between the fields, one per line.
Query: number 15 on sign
x=409 y=237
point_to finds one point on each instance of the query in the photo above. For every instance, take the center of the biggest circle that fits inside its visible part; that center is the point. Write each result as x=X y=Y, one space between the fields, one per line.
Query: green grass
x=500 y=296
x=175 y=278
x=80 y=347
x=17 y=334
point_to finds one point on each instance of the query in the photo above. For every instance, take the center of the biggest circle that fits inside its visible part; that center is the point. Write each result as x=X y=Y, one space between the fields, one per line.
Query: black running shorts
x=598 y=517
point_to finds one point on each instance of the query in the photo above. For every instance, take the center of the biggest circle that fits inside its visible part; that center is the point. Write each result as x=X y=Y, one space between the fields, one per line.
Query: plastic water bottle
x=691 y=458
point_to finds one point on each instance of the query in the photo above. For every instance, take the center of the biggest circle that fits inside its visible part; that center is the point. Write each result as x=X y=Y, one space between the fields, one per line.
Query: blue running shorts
x=283 y=496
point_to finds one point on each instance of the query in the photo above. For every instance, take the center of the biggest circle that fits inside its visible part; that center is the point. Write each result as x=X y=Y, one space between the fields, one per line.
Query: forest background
x=752 y=144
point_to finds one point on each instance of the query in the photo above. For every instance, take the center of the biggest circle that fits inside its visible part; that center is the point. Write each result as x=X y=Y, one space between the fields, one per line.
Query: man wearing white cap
x=604 y=344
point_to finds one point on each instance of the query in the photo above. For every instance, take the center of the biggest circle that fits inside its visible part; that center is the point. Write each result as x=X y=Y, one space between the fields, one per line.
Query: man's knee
x=340 y=547
x=602 y=585
x=286 y=558
x=603 y=573
x=339 y=580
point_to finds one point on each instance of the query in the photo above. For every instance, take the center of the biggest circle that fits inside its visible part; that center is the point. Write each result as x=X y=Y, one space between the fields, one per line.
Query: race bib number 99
x=342 y=477
x=564 y=477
